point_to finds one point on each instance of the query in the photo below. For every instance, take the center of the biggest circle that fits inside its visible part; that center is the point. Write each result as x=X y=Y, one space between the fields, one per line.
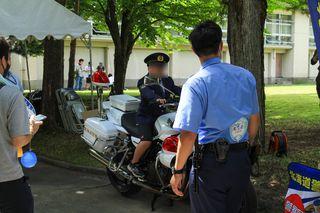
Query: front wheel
x=250 y=201
x=122 y=185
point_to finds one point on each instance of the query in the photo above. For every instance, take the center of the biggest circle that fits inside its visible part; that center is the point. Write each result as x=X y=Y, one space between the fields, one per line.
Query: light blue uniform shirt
x=217 y=102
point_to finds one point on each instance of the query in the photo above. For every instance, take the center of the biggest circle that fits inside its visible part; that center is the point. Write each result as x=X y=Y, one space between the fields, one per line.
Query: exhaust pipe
x=124 y=174
x=106 y=163
x=98 y=157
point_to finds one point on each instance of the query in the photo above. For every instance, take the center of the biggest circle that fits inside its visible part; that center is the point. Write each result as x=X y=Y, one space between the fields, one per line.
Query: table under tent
x=40 y=19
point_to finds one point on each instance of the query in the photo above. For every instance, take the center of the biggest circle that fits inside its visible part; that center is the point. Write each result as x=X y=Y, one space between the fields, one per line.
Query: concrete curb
x=71 y=166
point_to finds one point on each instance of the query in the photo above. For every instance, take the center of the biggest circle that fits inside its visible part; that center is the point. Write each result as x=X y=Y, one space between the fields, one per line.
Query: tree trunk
x=73 y=45
x=246 y=21
x=53 y=77
x=72 y=58
x=121 y=59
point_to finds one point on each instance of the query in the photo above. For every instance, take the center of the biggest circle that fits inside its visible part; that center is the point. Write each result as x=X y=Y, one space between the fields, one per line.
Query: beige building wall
x=300 y=56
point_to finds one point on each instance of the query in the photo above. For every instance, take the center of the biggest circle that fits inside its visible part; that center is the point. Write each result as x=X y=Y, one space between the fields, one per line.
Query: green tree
x=287 y=5
x=75 y=7
x=53 y=76
x=28 y=47
x=151 y=21
x=246 y=21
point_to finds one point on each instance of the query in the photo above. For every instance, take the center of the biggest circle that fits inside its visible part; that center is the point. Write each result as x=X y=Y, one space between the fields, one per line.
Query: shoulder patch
x=238 y=129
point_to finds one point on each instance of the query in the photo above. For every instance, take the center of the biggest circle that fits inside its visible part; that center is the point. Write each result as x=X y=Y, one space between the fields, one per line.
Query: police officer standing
x=219 y=106
x=156 y=88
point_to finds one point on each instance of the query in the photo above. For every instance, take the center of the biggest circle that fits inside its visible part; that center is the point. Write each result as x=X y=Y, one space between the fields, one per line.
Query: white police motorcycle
x=113 y=140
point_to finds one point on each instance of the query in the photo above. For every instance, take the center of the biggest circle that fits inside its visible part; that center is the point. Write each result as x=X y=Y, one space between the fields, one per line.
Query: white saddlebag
x=125 y=103
x=99 y=133
x=116 y=115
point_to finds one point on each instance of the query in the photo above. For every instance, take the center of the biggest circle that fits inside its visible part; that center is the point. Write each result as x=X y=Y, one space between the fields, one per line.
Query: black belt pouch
x=221 y=147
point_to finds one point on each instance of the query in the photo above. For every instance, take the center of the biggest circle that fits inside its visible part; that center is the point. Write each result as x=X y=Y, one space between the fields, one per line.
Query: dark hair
x=206 y=38
x=81 y=60
x=4 y=48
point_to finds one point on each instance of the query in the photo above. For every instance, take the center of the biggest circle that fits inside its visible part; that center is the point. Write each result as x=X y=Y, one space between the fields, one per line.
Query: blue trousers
x=78 y=85
x=221 y=186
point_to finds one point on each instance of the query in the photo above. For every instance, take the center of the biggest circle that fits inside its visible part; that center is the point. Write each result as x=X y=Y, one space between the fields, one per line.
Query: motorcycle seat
x=129 y=122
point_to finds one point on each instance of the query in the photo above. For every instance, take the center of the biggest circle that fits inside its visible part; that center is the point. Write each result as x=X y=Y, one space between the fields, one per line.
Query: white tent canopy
x=40 y=18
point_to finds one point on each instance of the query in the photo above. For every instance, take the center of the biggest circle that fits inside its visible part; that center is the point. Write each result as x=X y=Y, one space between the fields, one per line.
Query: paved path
x=59 y=190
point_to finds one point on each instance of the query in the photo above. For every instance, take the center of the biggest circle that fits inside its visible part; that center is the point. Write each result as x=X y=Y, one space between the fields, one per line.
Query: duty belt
x=210 y=147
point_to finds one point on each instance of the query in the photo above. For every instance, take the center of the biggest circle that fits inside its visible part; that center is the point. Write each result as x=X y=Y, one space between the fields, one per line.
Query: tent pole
x=91 y=87
x=27 y=64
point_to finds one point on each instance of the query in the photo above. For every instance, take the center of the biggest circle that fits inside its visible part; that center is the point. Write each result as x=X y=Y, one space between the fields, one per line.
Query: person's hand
x=176 y=183
x=161 y=101
x=34 y=125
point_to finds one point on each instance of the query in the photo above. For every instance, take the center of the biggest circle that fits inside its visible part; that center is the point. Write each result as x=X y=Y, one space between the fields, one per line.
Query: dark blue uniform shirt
x=149 y=109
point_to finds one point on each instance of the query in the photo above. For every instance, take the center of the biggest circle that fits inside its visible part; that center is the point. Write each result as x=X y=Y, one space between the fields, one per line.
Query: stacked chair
x=71 y=108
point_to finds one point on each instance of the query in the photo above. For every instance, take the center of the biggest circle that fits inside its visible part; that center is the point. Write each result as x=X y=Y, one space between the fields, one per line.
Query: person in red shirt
x=100 y=77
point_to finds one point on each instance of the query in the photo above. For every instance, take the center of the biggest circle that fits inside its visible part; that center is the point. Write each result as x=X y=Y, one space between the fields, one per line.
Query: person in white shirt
x=88 y=75
x=80 y=74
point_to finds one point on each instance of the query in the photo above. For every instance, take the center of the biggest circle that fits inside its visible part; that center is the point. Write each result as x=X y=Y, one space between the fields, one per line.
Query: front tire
x=122 y=185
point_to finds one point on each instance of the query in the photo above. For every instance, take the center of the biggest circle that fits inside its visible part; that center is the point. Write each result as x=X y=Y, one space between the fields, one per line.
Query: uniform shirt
x=149 y=109
x=13 y=122
x=217 y=102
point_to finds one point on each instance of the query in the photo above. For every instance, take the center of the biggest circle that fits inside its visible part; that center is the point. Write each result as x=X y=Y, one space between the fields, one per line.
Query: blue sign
x=314 y=8
x=304 y=188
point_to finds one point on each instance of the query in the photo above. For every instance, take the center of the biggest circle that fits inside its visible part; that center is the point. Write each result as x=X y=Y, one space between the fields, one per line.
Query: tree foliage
x=287 y=5
x=165 y=22
x=30 y=46
x=152 y=21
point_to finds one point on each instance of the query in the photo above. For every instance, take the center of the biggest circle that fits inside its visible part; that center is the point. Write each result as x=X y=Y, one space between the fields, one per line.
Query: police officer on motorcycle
x=156 y=89
x=219 y=106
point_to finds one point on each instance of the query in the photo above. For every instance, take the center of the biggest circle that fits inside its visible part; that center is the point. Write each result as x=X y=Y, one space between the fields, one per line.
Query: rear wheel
x=250 y=201
x=122 y=185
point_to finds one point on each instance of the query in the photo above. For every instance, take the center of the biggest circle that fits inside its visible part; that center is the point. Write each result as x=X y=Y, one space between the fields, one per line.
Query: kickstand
x=153 y=202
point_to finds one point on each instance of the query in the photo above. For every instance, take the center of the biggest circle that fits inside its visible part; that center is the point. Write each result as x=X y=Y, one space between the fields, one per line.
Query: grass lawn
x=294 y=109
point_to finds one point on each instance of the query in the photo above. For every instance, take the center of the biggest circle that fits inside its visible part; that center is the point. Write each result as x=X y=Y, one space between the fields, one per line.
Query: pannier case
x=117 y=115
x=125 y=103
x=99 y=133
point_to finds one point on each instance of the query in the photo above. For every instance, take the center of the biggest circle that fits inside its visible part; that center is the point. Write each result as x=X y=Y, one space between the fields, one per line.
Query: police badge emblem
x=160 y=58
x=239 y=129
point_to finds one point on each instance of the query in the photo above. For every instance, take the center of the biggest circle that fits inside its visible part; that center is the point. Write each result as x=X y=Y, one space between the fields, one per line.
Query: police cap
x=157 y=59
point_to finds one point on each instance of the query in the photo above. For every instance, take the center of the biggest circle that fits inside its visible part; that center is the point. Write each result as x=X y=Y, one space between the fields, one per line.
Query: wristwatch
x=176 y=172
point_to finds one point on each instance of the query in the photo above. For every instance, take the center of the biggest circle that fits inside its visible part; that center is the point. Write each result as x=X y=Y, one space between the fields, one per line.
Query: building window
x=312 y=43
x=278 y=29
